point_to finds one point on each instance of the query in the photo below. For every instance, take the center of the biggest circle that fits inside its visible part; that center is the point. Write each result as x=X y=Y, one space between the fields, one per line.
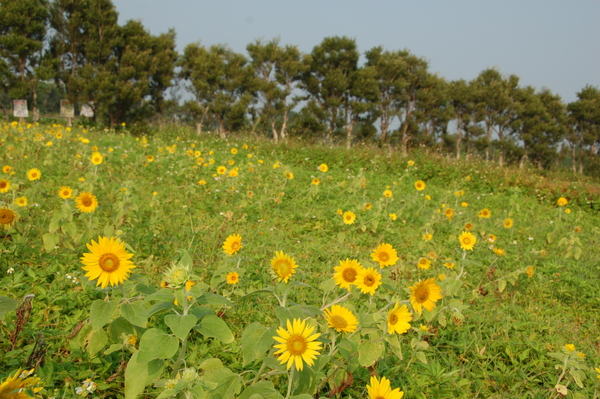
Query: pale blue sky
x=547 y=43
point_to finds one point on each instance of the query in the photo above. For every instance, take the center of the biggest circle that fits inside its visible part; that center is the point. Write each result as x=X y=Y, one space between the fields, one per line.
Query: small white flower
x=530 y=238
x=10 y=270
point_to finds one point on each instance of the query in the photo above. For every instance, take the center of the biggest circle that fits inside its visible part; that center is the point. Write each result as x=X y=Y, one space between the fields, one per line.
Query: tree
x=164 y=58
x=433 y=110
x=23 y=25
x=496 y=102
x=585 y=125
x=463 y=111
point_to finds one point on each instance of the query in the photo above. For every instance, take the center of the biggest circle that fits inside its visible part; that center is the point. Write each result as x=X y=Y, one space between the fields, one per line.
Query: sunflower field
x=176 y=265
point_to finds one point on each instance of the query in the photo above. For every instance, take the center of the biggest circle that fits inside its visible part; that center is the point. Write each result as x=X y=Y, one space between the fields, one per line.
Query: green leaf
x=50 y=241
x=577 y=253
x=262 y=389
x=421 y=356
x=501 y=285
x=134 y=313
x=213 y=299
x=97 y=342
x=156 y=344
x=213 y=326
x=186 y=260
x=54 y=222
x=101 y=312
x=140 y=374
x=369 y=353
x=228 y=383
x=256 y=340
x=7 y=305
x=70 y=229
x=180 y=325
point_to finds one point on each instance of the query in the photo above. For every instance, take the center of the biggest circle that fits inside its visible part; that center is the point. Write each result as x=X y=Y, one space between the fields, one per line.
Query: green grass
x=494 y=334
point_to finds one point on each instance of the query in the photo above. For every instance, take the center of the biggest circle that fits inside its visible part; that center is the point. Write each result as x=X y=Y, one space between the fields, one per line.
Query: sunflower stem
x=290 y=380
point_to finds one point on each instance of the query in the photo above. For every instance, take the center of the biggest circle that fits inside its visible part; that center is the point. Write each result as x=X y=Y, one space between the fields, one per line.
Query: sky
x=547 y=43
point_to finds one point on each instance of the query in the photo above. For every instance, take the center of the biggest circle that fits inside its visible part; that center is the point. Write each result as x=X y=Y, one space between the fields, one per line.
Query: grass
x=496 y=333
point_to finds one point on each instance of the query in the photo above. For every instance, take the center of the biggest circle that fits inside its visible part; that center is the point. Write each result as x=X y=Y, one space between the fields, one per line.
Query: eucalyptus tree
x=221 y=82
x=585 y=125
x=23 y=27
x=164 y=59
x=462 y=105
x=339 y=93
x=277 y=71
x=433 y=110
x=498 y=107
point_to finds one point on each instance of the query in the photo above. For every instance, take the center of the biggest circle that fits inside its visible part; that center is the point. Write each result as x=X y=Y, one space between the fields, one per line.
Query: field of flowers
x=177 y=265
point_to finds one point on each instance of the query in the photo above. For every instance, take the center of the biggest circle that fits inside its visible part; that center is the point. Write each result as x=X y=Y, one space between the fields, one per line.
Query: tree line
x=76 y=50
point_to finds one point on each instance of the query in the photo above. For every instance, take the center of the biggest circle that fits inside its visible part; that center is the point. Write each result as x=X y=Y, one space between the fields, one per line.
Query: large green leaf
x=213 y=326
x=101 y=312
x=228 y=383
x=181 y=325
x=369 y=352
x=156 y=344
x=262 y=389
x=135 y=314
x=256 y=340
x=7 y=305
x=140 y=374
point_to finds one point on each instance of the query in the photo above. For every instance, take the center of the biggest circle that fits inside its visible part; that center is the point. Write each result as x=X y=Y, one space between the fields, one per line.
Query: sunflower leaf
x=256 y=340
x=138 y=374
x=213 y=326
x=7 y=305
x=369 y=353
x=180 y=325
x=101 y=312
x=156 y=344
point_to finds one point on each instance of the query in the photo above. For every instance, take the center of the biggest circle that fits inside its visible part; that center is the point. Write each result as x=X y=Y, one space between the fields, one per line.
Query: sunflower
x=410 y=163
x=464 y=204
x=424 y=264
x=388 y=194
x=346 y=272
x=33 y=174
x=96 y=158
x=297 y=345
x=467 y=240
x=393 y=216
x=20 y=386
x=424 y=295
x=86 y=202
x=427 y=236
x=233 y=278
x=562 y=201
x=420 y=185
x=7 y=217
x=232 y=244
x=468 y=226
x=449 y=212
x=323 y=167
x=21 y=201
x=485 y=213
x=508 y=223
x=349 y=217
x=385 y=255
x=368 y=280
x=530 y=271
x=398 y=319
x=341 y=319
x=383 y=390
x=315 y=181
x=4 y=185
x=221 y=170
x=283 y=266
x=7 y=169
x=150 y=158
x=65 y=192
x=289 y=175
x=108 y=261
x=499 y=251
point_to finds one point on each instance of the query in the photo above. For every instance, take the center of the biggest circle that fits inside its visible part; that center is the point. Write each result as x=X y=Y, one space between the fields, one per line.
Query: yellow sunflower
x=346 y=272
x=323 y=167
x=467 y=240
x=420 y=185
x=221 y=170
x=382 y=389
x=150 y=158
x=315 y=181
x=424 y=295
x=398 y=320
x=86 y=202
x=4 y=185
x=562 y=201
x=341 y=319
x=232 y=244
x=427 y=236
x=393 y=216
x=388 y=194
x=33 y=174
x=20 y=385
x=424 y=264
x=108 y=261
x=499 y=251
x=7 y=217
x=233 y=278
x=449 y=212
x=530 y=271
x=21 y=201
x=283 y=266
x=385 y=255
x=297 y=345
x=349 y=217
x=368 y=280
x=65 y=192
x=485 y=213
x=96 y=158
x=7 y=169
x=469 y=226
x=508 y=223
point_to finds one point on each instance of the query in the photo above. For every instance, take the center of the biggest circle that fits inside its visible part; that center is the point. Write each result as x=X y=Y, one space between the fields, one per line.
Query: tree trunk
x=405 y=139
x=349 y=129
x=522 y=161
x=222 y=133
x=458 y=140
x=199 y=128
x=574 y=159
x=284 y=125
x=275 y=133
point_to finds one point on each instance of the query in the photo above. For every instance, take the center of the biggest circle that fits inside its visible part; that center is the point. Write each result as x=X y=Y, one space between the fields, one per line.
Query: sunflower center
x=297 y=345
x=86 y=201
x=109 y=262
x=384 y=256
x=349 y=275
x=3 y=184
x=393 y=319
x=283 y=268
x=466 y=241
x=6 y=216
x=338 y=322
x=235 y=246
x=422 y=294
x=369 y=281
